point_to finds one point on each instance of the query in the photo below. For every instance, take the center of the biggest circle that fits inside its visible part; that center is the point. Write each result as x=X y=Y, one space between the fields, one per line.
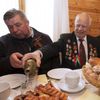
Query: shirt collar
x=32 y=33
x=85 y=38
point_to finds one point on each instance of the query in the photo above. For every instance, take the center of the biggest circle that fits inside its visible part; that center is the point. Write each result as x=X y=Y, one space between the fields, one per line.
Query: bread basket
x=92 y=76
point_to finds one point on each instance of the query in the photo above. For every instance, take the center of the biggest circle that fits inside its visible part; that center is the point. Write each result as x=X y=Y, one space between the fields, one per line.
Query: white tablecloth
x=42 y=79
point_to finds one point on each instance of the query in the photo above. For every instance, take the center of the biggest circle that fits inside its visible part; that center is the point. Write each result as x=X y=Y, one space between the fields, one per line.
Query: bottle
x=31 y=73
x=30 y=67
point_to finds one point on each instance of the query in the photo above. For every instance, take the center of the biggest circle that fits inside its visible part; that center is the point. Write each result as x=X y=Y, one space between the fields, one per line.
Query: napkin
x=42 y=79
x=88 y=96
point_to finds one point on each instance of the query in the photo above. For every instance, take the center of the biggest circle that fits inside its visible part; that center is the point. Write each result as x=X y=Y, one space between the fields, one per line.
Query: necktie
x=82 y=53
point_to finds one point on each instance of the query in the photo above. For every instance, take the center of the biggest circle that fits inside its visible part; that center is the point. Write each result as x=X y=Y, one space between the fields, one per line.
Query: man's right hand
x=15 y=60
x=36 y=55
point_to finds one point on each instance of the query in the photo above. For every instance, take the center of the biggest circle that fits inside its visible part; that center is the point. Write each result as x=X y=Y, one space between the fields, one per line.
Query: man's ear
x=27 y=22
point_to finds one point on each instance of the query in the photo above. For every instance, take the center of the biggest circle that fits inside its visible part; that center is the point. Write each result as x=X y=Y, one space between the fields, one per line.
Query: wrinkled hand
x=36 y=55
x=15 y=60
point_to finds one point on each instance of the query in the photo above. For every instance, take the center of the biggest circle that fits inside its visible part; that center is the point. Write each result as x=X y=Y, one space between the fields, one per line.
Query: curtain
x=61 y=18
x=40 y=15
x=5 y=5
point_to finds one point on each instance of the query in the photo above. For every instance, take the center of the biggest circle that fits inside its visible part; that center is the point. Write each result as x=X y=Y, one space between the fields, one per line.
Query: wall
x=92 y=7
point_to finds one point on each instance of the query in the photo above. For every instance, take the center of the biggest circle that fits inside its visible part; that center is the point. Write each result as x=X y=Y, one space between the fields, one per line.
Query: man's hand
x=36 y=55
x=15 y=60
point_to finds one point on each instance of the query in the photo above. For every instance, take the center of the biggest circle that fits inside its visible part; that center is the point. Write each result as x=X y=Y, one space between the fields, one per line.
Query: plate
x=14 y=80
x=78 y=71
x=57 y=87
x=65 y=88
x=13 y=93
x=57 y=73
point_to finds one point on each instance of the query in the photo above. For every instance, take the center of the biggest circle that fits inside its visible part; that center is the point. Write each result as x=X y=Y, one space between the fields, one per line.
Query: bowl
x=4 y=91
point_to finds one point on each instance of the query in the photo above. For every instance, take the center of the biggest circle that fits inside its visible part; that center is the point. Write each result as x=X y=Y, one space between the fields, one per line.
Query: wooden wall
x=92 y=7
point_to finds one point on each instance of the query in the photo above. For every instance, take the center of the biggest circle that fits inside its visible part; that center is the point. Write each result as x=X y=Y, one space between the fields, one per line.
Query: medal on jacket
x=93 y=51
x=69 y=50
x=72 y=52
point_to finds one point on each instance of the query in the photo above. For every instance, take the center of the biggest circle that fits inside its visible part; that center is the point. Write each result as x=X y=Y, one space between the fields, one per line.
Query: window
x=4 y=6
x=48 y=16
x=40 y=15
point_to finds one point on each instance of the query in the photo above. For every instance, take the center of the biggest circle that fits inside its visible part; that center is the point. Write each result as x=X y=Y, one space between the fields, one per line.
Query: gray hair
x=12 y=13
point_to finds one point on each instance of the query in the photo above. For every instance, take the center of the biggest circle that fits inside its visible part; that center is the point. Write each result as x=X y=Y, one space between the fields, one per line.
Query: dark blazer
x=9 y=45
x=67 y=45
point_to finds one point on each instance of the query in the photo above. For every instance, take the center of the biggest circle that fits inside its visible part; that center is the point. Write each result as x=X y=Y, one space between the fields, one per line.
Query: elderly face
x=18 y=27
x=82 y=23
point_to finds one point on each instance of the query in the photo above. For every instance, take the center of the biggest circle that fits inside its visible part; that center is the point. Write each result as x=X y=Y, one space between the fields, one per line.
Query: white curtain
x=4 y=6
x=48 y=16
x=40 y=15
x=61 y=18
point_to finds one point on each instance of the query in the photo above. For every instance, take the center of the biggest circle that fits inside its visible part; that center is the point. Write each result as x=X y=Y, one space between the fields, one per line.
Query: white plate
x=57 y=73
x=14 y=80
x=55 y=84
x=13 y=93
x=65 y=88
